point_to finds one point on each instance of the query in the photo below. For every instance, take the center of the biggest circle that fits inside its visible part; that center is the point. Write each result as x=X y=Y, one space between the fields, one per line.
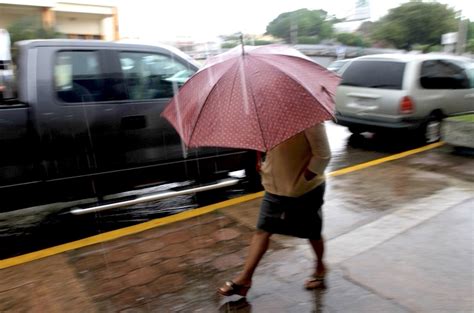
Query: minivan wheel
x=432 y=130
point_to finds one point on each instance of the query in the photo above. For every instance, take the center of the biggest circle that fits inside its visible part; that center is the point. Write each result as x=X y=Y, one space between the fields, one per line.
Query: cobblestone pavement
x=390 y=244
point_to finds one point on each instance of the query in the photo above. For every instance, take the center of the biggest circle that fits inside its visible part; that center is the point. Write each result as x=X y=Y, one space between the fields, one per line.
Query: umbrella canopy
x=253 y=100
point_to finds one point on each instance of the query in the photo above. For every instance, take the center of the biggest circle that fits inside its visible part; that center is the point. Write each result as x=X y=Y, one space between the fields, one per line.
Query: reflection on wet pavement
x=39 y=228
x=36 y=228
x=238 y=306
x=349 y=149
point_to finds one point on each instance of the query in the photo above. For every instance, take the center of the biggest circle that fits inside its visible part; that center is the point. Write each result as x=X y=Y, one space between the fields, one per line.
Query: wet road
x=398 y=240
x=31 y=229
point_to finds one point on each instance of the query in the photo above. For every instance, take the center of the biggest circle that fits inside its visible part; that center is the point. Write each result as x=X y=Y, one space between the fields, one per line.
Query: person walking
x=294 y=182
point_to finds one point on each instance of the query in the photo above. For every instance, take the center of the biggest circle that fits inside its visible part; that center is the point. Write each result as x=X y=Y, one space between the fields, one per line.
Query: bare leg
x=317 y=280
x=258 y=247
x=242 y=282
x=318 y=247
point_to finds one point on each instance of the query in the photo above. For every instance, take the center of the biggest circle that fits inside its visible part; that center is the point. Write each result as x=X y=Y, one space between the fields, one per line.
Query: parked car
x=87 y=124
x=338 y=65
x=404 y=92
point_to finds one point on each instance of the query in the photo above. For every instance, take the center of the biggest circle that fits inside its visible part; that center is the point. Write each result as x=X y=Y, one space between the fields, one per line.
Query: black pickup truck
x=86 y=123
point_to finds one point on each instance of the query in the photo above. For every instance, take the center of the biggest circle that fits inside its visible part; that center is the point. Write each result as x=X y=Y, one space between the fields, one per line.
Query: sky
x=204 y=20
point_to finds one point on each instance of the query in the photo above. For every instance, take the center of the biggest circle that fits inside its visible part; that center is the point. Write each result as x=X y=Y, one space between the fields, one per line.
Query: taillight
x=406 y=105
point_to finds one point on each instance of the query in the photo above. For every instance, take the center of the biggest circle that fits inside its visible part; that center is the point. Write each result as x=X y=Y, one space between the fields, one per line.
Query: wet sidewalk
x=399 y=239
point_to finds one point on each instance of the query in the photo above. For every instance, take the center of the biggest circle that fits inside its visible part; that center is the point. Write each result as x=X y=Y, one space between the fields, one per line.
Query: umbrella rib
x=202 y=107
x=295 y=79
x=253 y=99
x=233 y=82
x=258 y=116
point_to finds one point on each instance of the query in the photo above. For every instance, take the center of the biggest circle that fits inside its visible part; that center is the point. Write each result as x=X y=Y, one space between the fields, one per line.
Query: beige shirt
x=283 y=170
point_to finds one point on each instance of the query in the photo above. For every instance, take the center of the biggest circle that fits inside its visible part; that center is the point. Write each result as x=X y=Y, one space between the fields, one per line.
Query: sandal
x=315 y=282
x=230 y=288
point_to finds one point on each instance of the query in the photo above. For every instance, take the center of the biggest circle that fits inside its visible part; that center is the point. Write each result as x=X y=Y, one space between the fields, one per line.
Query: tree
x=366 y=29
x=351 y=39
x=415 y=22
x=470 y=45
x=303 y=23
x=470 y=37
x=470 y=30
x=427 y=48
x=31 y=28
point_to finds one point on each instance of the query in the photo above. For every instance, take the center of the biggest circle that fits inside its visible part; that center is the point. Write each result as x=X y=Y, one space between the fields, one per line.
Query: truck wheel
x=431 y=130
x=355 y=130
x=253 y=180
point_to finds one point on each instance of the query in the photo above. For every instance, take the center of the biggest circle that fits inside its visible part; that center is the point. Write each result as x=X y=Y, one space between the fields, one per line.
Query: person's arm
x=321 y=153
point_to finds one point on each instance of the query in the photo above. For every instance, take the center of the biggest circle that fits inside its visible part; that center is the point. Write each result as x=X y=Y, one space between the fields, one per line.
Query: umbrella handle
x=242 y=43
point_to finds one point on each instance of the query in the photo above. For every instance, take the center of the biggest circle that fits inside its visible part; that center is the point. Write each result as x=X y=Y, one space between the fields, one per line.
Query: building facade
x=80 y=19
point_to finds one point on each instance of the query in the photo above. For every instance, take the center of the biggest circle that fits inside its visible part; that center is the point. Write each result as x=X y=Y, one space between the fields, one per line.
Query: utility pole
x=293 y=31
x=462 y=34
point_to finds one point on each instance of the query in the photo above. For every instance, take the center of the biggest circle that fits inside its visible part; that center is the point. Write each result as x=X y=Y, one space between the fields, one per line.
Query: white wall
x=78 y=24
x=77 y=8
x=107 y=27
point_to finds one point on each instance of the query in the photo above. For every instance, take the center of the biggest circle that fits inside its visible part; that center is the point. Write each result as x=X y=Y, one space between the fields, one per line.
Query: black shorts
x=298 y=217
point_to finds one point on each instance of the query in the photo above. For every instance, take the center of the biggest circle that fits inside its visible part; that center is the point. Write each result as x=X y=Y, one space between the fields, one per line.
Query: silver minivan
x=338 y=65
x=404 y=91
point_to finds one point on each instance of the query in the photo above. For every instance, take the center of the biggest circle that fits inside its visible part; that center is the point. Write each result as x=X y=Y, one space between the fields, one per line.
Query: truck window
x=152 y=76
x=78 y=77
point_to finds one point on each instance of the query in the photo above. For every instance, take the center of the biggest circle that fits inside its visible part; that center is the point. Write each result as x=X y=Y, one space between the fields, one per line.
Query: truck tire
x=252 y=176
x=355 y=130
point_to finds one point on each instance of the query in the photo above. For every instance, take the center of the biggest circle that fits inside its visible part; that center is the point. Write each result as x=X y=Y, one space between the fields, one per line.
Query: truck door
x=149 y=79
x=103 y=121
x=19 y=171
x=71 y=103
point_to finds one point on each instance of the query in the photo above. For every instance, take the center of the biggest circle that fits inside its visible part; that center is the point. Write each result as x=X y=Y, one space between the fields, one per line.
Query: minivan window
x=77 y=77
x=443 y=74
x=336 y=66
x=152 y=76
x=374 y=74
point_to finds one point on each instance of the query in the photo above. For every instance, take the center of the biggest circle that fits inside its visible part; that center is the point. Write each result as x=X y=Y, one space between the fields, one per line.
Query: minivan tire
x=430 y=131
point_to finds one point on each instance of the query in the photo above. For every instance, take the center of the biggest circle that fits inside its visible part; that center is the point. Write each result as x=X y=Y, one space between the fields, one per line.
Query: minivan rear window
x=374 y=74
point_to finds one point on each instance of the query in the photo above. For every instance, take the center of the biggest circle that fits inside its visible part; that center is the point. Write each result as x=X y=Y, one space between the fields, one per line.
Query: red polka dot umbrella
x=253 y=100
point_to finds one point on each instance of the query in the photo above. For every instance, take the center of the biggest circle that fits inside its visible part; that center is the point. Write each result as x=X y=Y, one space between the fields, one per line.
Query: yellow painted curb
x=111 y=235
x=385 y=159
x=130 y=230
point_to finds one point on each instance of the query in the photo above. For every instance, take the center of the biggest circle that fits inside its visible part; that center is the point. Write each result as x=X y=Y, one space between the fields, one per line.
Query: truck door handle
x=133 y=122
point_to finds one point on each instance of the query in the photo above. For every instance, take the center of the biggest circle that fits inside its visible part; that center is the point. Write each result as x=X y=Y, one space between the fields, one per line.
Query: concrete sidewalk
x=399 y=239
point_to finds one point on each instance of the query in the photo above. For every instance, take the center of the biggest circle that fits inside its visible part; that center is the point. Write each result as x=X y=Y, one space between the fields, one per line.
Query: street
x=36 y=228
x=399 y=239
